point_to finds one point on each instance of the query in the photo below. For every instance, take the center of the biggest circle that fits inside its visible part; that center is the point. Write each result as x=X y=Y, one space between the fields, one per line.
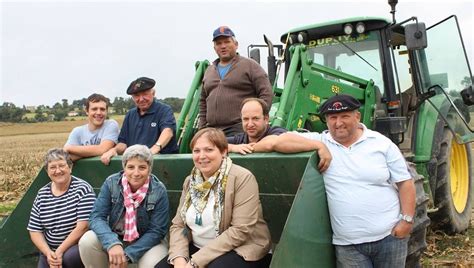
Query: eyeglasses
x=60 y=167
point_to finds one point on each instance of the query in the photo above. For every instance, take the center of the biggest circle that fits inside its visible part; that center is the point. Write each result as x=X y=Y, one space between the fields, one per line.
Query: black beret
x=339 y=103
x=141 y=84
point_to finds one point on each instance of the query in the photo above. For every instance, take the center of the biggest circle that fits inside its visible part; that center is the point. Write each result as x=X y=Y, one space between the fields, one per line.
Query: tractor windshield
x=358 y=56
x=445 y=70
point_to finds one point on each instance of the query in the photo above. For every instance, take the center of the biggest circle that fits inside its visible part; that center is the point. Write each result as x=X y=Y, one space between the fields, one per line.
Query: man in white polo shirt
x=371 y=195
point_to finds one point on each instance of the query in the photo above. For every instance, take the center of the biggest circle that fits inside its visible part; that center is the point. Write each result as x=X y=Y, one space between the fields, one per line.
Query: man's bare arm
x=118 y=149
x=407 y=195
x=286 y=143
x=240 y=148
x=266 y=144
x=163 y=140
x=89 y=150
x=293 y=143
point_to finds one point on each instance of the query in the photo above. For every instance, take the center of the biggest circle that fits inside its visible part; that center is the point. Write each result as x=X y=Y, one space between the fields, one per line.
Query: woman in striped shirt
x=60 y=213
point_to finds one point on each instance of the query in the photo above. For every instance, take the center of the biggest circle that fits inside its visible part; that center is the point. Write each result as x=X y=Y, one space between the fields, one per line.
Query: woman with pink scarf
x=130 y=217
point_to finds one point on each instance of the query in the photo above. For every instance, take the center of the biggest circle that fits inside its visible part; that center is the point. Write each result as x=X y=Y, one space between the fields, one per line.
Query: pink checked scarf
x=131 y=201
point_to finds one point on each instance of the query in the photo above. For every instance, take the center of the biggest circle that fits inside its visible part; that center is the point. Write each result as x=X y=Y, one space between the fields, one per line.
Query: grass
x=12 y=129
x=449 y=250
x=22 y=151
x=6 y=208
x=22 y=157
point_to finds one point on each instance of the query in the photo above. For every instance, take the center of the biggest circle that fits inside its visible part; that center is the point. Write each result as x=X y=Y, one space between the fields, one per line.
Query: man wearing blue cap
x=227 y=82
x=150 y=123
x=371 y=195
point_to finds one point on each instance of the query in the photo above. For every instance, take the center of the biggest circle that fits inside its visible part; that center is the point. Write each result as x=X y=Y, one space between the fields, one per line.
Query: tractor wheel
x=417 y=241
x=453 y=182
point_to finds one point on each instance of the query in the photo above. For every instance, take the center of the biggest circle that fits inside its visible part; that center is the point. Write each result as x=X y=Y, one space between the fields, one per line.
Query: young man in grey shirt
x=98 y=135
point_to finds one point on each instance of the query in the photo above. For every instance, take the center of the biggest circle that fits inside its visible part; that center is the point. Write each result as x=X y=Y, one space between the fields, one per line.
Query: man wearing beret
x=150 y=123
x=227 y=82
x=371 y=195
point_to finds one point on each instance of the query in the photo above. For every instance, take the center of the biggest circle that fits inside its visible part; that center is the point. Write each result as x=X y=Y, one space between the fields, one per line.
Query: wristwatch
x=407 y=218
x=194 y=265
x=159 y=145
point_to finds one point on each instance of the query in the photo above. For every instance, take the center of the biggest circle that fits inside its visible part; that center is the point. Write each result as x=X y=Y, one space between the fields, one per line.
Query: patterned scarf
x=199 y=190
x=131 y=201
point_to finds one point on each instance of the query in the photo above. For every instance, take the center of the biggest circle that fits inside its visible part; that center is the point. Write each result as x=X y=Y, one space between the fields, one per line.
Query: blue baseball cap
x=222 y=31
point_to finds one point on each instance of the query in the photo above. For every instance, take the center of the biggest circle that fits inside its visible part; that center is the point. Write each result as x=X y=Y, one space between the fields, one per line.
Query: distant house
x=31 y=109
x=72 y=114
x=111 y=110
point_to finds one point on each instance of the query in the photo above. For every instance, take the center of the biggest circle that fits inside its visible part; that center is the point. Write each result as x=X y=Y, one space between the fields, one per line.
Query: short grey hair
x=138 y=151
x=55 y=154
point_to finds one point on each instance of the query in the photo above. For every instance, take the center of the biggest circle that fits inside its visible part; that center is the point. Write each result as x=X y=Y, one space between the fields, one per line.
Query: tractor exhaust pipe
x=392 y=4
x=271 y=60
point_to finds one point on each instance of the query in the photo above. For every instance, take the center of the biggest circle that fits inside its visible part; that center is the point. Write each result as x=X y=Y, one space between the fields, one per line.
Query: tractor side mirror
x=415 y=36
x=255 y=55
x=467 y=95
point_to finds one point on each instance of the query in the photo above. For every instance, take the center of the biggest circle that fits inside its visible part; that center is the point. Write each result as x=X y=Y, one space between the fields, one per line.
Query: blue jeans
x=389 y=252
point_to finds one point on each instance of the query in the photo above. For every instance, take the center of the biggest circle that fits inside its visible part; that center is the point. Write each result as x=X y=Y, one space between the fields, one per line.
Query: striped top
x=56 y=216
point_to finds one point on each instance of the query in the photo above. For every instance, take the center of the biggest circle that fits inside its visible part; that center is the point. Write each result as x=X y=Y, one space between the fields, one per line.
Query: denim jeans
x=389 y=252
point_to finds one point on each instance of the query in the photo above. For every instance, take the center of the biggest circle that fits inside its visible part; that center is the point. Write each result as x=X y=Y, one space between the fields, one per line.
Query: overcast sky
x=69 y=49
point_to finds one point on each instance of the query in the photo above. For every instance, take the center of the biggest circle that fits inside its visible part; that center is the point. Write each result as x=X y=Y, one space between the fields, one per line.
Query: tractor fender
x=426 y=121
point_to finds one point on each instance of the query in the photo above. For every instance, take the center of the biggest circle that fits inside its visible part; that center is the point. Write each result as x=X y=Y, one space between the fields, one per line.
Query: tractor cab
x=347 y=46
x=392 y=68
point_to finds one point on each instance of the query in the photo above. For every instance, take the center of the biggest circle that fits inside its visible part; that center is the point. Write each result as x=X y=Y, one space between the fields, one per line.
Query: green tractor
x=415 y=85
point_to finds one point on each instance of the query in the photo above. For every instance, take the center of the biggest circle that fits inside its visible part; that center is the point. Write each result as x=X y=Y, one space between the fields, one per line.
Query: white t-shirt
x=360 y=185
x=205 y=233
x=81 y=135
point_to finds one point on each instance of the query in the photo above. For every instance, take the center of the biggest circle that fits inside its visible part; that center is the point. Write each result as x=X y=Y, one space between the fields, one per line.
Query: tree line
x=60 y=110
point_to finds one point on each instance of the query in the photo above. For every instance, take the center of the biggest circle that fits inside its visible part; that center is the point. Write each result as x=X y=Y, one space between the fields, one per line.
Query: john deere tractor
x=415 y=86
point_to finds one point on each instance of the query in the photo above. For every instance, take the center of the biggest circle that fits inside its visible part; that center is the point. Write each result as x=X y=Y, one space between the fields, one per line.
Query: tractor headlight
x=348 y=28
x=292 y=39
x=360 y=27
x=302 y=37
